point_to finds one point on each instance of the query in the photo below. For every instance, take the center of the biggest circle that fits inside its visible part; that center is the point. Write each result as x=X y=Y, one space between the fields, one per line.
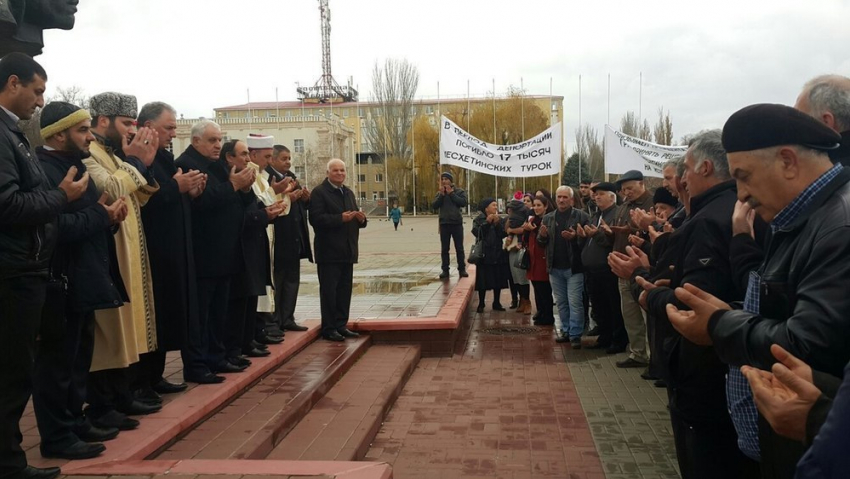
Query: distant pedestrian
x=395 y=214
x=449 y=201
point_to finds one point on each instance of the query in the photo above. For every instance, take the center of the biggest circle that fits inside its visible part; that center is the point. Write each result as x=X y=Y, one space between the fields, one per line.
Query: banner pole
x=561 y=169
x=580 y=126
x=495 y=177
x=522 y=118
x=413 y=134
x=468 y=174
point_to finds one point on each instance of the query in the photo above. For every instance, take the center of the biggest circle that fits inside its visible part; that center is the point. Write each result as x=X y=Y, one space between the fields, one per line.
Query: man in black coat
x=85 y=255
x=28 y=216
x=336 y=220
x=696 y=378
x=167 y=219
x=291 y=242
x=217 y=216
x=798 y=296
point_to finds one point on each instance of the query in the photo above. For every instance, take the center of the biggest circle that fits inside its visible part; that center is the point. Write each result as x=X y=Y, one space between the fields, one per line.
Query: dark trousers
x=605 y=297
x=543 y=300
x=148 y=371
x=710 y=450
x=779 y=455
x=62 y=363
x=483 y=293
x=335 y=283
x=205 y=348
x=21 y=301
x=452 y=233
x=287 y=280
x=107 y=390
x=242 y=321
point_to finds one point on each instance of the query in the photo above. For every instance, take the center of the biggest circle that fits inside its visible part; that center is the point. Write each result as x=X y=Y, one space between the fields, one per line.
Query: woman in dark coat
x=492 y=271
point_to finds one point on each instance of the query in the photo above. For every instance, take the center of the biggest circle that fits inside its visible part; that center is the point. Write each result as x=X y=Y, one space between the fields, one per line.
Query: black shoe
x=333 y=336
x=227 y=367
x=444 y=275
x=463 y=274
x=239 y=361
x=256 y=345
x=30 y=472
x=96 y=434
x=138 y=408
x=293 y=326
x=593 y=332
x=562 y=339
x=165 y=387
x=514 y=304
x=346 y=333
x=660 y=383
x=275 y=333
x=78 y=450
x=648 y=375
x=114 y=419
x=615 y=349
x=498 y=307
x=206 y=378
x=480 y=308
x=544 y=322
x=575 y=343
x=630 y=363
x=270 y=339
x=148 y=396
x=256 y=353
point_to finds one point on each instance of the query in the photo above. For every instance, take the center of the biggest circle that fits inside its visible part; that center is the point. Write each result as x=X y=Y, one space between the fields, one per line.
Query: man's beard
x=71 y=147
x=115 y=139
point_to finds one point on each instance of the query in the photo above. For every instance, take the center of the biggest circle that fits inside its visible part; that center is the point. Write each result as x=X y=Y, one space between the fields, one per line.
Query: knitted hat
x=449 y=175
x=58 y=116
x=483 y=204
x=662 y=195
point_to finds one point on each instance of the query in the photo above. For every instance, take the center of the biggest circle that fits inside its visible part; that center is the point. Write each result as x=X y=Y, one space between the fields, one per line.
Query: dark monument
x=22 y=23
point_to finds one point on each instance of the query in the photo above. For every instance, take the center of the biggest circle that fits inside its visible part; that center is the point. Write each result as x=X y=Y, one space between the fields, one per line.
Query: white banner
x=624 y=153
x=539 y=156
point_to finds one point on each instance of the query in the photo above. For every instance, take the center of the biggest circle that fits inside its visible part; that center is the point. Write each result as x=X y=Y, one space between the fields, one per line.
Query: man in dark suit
x=29 y=209
x=291 y=242
x=336 y=220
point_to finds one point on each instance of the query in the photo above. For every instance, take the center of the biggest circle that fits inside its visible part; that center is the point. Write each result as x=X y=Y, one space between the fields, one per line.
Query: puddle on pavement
x=381 y=282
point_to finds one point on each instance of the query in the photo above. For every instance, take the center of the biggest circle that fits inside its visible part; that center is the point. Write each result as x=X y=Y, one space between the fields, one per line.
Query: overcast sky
x=700 y=60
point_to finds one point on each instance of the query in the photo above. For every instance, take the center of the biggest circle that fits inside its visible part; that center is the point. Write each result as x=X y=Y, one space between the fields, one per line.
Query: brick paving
x=501 y=406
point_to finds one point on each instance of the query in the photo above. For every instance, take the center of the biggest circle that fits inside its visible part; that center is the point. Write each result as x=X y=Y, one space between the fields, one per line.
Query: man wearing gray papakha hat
x=119 y=166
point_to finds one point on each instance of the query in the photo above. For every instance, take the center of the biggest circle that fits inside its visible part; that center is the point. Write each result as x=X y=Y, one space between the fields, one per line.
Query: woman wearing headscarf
x=492 y=271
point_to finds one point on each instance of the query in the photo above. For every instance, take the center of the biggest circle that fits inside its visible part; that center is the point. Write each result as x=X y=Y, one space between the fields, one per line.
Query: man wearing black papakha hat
x=86 y=256
x=450 y=201
x=797 y=299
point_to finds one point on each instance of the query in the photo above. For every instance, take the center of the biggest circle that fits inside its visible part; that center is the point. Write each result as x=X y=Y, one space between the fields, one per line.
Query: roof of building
x=271 y=105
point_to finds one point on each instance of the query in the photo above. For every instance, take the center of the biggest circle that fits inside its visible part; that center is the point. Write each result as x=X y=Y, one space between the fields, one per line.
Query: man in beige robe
x=122 y=334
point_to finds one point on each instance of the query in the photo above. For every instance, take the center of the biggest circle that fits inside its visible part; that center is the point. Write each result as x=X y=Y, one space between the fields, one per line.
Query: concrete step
x=342 y=425
x=253 y=423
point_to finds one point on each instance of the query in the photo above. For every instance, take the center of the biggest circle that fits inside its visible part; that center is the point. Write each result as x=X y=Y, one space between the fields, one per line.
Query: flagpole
x=277 y=107
x=561 y=169
x=250 y=113
x=359 y=138
x=640 y=103
x=581 y=134
x=495 y=177
x=609 y=99
x=522 y=118
x=468 y=174
x=413 y=134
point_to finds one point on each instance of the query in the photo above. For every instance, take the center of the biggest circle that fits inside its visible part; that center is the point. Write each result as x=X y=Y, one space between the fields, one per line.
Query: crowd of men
x=726 y=284
x=113 y=252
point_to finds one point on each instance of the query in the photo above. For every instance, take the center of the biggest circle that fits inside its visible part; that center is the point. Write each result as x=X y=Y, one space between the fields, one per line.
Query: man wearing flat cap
x=450 y=201
x=85 y=256
x=636 y=197
x=601 y=282
x=120 y=167
x=797 y=298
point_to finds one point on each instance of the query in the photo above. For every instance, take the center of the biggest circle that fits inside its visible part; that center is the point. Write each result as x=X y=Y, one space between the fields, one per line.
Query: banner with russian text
x=624 y=153
x=538 y=156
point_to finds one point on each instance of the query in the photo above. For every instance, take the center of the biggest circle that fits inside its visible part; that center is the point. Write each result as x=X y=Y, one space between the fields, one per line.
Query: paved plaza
x=508 y=403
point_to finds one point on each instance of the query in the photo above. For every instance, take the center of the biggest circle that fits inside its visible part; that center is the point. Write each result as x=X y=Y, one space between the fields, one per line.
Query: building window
x=374 y=195
x=288 y=113
x=379 y=177
x=429 y=109
x=361 y=178
x=554 y=106
x=359 y=113
x=298 y=145
x=345 y=113
x=299 y=171
x=362 y=196
x=271 y=114
x=380 y=195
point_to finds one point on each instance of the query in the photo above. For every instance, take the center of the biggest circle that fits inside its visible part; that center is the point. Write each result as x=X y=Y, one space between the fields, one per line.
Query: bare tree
x=591 y=152
x=663 y=131
x=632 y=126
x=73 y=95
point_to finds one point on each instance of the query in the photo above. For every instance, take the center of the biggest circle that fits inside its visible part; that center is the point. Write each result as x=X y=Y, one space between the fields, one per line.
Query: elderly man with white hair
x=827 y=98
x=336 y=220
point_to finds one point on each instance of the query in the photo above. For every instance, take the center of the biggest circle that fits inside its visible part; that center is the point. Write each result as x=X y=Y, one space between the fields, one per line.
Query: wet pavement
x=510 y=404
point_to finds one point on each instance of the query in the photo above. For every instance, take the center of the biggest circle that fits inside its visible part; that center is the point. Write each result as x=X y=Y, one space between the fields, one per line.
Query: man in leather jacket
x=797 y=298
